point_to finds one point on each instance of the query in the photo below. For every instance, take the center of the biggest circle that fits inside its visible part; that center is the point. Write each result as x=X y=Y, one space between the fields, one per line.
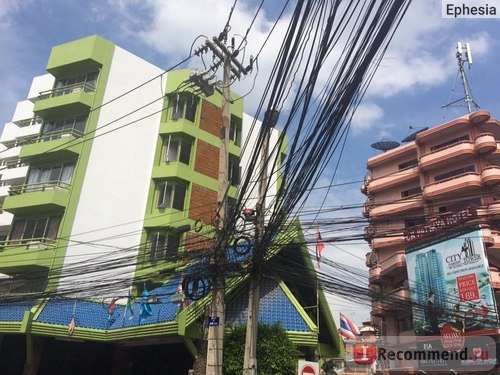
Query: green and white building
x=109 y=178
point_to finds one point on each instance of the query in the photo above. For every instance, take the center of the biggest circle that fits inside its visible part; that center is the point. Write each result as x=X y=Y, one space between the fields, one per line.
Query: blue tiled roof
x=95 y=315
x=274 y=307
x=12 y=310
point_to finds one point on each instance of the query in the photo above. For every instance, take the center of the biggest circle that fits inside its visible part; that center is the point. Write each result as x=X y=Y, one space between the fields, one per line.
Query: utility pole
x=218 y=307
x=216 y=320
x=250 y=355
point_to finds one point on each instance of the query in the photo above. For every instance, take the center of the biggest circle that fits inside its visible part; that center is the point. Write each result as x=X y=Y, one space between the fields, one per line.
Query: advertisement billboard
x=449 y=283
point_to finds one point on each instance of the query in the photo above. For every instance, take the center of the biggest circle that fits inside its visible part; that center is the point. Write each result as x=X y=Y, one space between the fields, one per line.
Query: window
x=72 y=125
x=457 y=206
x=171 y=195
x=234 y=170
x=235 y=130
x=163 y=245
x=450 y=142
x=52 y=175
x=414 y=222
x=413 y=191
x=184 y=106
x=68 y=85
x=456 y=172
x=25 y=230
x=177 y=149
x=408 y=164
x=26 y=282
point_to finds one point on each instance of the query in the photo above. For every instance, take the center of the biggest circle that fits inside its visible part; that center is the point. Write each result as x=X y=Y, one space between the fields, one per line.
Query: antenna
x=463 y=55
x=468 y=53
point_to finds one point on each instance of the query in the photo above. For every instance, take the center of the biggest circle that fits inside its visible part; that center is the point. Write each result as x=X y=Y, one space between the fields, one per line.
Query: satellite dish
x=385 y=144
x=413 y=135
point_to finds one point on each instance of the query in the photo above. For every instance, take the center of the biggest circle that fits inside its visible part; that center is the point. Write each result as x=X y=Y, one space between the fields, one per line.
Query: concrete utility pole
x=216 y=319
x=218 y=308
x=250 y=355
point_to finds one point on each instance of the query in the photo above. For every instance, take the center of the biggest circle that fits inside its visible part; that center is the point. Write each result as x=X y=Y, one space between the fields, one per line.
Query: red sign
x=308 y=370
x=468 y=290
x=364 y=353
x=439 y=224
x=452 y=337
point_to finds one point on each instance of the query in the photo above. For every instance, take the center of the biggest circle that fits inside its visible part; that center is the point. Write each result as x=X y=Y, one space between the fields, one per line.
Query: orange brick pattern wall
x=203 y=204
x=207 y=160
x=195 y=242
x=211 y=118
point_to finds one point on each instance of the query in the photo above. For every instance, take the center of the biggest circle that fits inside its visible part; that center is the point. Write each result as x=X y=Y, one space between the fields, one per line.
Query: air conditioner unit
x=36 y=245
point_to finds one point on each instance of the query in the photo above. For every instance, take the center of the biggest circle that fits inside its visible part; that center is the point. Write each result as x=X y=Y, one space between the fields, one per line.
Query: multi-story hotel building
x=442 y=179
x=109 y=179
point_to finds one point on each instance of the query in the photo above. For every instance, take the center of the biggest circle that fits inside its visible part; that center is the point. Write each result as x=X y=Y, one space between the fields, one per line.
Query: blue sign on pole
x=213 y=321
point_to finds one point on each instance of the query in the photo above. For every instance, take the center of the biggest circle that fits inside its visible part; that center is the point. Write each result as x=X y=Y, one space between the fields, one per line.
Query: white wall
x=113 y=199
x=41 y=83
x=250 y=133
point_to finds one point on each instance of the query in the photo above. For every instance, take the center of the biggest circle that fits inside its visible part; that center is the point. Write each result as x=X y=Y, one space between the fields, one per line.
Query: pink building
x=442 y=170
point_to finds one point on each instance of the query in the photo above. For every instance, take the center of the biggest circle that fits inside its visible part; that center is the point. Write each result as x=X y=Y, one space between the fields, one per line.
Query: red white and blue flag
x=347 y=328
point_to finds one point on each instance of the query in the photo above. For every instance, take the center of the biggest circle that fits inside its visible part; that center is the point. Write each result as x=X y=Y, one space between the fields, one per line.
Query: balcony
x=494 y=240
x=379 y=242
x=374 y=275
x=366 y=182
x=12 y=151
x=66 y=100
x=399 y=294
x=42 y=197
x=377 y=308
x=5 y=221
x=490 y=176
x=366 y=209
x=458 y=184
x=495 y=278
x=57 y=145
x=478 y=117
x=396 y=262
x=15 y=170
x=394 y=179
x=4 y=190
x=16 y=254
x=454 y=153
x=398 y=207
x=485 y=143
x=488 y=236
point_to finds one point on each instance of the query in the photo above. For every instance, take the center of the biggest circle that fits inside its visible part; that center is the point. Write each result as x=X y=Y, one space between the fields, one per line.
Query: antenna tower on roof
x=464 y=55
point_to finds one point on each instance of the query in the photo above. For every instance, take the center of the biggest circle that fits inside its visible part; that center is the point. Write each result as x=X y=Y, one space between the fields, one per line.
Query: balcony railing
x=393 y=263
x=29 y=122
x=470 y=180
x=57 y=134
x=65 y=90
x=439 y=157
x=40 y=243
x=396 y=178
x=12 y=163
x=490 y=175
x=485 y=143
x=41 y=186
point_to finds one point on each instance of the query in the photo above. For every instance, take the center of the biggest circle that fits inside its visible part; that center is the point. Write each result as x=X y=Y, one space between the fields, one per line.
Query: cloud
x=366 y=114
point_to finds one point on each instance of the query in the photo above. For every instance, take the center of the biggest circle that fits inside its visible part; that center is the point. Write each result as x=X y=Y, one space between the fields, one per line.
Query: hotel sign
x=440 y=224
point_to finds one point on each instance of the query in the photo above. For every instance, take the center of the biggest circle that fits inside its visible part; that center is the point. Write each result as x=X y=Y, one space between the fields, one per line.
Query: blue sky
x=414 y=80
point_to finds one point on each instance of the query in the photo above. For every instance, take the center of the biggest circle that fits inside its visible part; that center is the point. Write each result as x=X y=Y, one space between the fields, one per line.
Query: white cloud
x=365 y=116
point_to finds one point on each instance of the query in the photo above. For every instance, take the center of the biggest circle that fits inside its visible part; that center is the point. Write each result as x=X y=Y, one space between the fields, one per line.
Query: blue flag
x=146 y=310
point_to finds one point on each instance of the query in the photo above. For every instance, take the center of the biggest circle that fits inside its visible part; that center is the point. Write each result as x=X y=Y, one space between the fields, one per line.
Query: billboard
x=449 y=283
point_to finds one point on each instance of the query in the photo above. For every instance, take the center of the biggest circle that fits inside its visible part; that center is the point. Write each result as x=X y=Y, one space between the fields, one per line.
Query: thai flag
x=347 y=328
x=320 y=246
